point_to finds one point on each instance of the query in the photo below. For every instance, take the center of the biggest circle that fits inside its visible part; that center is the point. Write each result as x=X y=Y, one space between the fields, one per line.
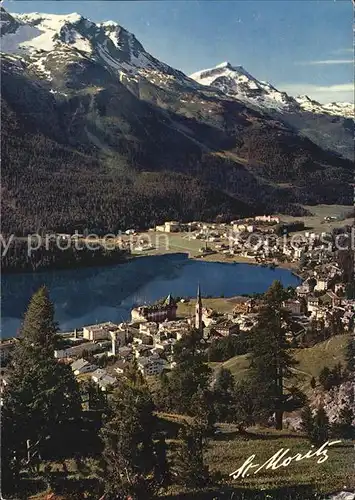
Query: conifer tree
x=38 y=331
x=190 y=375
x=162 y=467
x=190 y=469
x=350 y=355
x=224 y=392
x=203 y=410
x=344 y=427
x=95 y=398
x=41 y=394
x=325 y=378
x=271 y=361
x=162 y=396
x=321 y=427
x=129 y=466
x=249 y=404
x=307 y=423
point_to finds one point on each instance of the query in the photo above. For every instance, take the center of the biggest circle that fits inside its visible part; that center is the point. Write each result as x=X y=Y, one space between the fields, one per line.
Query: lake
x=86 y=296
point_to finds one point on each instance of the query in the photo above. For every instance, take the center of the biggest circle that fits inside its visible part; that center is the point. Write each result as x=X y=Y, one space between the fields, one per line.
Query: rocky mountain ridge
x=86 y=102
x=236 y=82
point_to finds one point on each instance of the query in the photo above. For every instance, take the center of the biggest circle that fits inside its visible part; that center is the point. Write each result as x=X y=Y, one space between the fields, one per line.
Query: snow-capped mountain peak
x=53 y=21
x=341 y=108
x=236 y=82
x=49 y=44
x=39 y=37
x=109 y=23
x=345 y=109
x=37 y=32
x=224 y=64
x=305 y=98
x=224 y=69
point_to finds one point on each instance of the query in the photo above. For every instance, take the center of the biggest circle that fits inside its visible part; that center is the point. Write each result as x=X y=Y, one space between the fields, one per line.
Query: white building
x=294 y=306
x=82 y=366
x=322 y=284
x=313 y=305
x=240 y=228
x=149 y=328
x=267 y=218
x=100 y=331
x=99 y=373
x=6 y=347
x=106 y=382
x=303 y=290
x=168 y=227
x=76 y=350
x=152 y=365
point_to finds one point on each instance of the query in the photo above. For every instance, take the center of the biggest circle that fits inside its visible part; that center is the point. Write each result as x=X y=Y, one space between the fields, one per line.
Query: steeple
x=198 y=312
x=169 y=301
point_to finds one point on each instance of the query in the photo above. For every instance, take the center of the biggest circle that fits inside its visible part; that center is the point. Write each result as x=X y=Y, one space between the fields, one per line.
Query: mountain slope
x=236 y=82
x=345 y=109
x=89 y=114
x=330 y=125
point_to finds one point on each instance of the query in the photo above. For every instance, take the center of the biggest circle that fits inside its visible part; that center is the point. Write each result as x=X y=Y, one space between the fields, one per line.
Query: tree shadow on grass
x=251 y=436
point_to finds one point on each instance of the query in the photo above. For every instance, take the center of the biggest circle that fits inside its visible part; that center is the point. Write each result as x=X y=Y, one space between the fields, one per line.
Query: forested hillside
x=106 y=143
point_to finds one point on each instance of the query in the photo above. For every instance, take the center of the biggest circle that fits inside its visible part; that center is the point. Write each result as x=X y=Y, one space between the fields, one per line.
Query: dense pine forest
x=18 y=258
x=59 y=188
x=107 y=160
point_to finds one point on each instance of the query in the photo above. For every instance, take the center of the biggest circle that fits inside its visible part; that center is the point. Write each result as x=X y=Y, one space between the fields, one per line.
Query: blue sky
x=301 y=46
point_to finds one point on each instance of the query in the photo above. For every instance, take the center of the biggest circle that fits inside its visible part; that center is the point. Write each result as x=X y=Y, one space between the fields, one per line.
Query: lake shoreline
x=236 y=259
x=108 y=293
x=129 y=257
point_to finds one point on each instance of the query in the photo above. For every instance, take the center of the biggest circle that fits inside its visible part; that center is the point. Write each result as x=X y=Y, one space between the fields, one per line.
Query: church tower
x=198 y=313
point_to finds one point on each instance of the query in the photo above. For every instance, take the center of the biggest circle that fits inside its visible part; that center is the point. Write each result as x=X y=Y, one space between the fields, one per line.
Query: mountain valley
x=99 y=134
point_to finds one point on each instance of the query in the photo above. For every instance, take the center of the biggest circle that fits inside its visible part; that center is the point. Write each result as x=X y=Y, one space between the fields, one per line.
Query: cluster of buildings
x=156 y=313
x=244 y=224
x=149 y=338
x=324 y=298
x=150 y=335
x=262 y=239
x=6 y=347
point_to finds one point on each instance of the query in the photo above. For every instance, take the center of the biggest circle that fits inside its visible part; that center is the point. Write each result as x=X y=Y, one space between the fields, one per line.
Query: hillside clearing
x=311 y=360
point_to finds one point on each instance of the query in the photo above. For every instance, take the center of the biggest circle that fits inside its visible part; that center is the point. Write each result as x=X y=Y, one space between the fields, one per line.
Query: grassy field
x=316 y=223
x=164 y=243
x=228 y=453
x=222 y=305
x=311 y=360
x=225 y=453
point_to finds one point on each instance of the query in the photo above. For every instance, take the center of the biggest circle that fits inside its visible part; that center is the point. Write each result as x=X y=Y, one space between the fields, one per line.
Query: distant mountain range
x=99 y=134
x=236 y=82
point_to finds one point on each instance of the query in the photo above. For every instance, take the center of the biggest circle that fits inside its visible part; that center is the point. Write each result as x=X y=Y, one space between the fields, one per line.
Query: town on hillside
x=265 y=239
x=321 y=306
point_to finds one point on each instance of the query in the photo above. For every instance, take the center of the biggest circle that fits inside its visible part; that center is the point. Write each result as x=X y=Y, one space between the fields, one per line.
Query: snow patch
x=39 y=33
x=39 y=67
x=109 y=23
x=12 y=42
